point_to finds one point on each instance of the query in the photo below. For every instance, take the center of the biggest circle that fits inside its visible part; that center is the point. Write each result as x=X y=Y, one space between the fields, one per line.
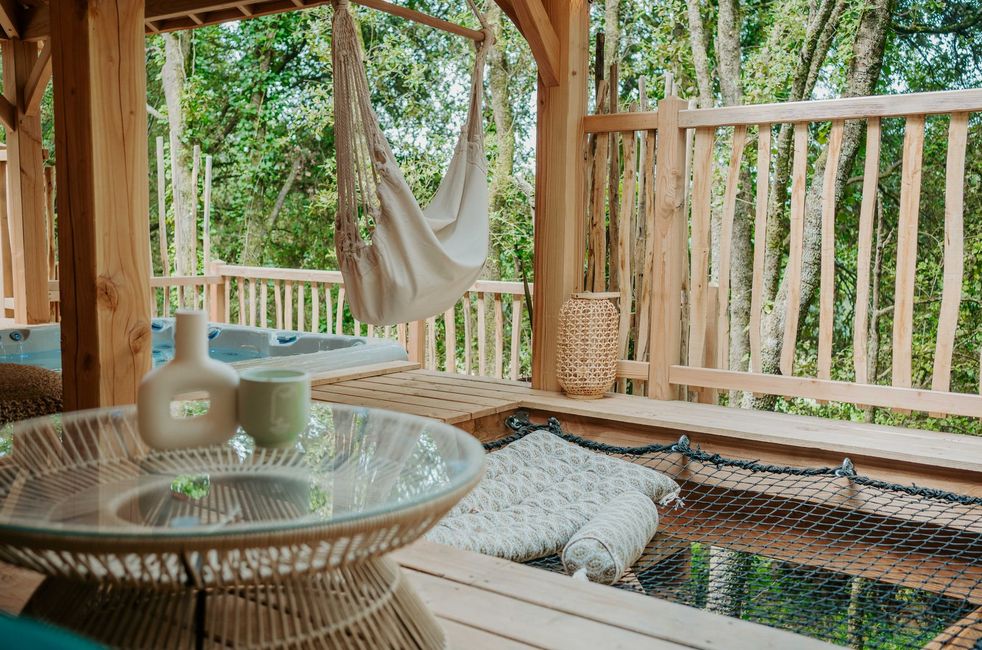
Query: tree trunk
x=861 y=79
x=257 y=233
x=174 y=77
x=700 y=60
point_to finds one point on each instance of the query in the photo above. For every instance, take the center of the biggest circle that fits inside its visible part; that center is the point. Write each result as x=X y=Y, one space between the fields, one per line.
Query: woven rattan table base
x=367 y=605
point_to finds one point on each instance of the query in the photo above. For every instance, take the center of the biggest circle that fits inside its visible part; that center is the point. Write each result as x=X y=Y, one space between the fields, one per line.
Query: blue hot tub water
x=41 y=346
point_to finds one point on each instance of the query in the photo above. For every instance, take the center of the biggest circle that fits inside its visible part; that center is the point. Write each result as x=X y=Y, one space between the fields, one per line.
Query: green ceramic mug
x=274 y=405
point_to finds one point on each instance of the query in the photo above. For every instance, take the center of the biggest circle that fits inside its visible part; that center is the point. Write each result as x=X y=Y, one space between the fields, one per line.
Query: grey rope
x=522 y=426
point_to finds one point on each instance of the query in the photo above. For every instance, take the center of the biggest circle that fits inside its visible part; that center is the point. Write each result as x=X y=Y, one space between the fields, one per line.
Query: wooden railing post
x=416 y=341
x=216 y=303
x=668 y=260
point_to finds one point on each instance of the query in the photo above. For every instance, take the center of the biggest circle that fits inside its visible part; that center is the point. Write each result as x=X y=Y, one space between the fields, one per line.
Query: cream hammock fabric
x=420 y=260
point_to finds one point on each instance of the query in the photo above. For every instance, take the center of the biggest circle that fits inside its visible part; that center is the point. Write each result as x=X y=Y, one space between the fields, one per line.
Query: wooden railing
x=678 y=245
x=487 y=331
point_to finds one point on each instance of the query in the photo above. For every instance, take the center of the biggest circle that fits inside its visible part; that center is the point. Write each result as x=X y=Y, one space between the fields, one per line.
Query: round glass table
x=230 y=545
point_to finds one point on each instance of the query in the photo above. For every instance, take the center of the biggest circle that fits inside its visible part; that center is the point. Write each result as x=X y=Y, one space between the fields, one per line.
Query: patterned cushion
x=537 y=492
x=613 y=540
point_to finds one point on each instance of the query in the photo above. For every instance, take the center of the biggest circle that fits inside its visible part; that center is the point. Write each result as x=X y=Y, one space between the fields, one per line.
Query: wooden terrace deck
x=486 y=602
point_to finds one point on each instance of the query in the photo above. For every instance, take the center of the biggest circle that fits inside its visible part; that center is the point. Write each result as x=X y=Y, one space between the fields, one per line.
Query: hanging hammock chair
x=420 y=260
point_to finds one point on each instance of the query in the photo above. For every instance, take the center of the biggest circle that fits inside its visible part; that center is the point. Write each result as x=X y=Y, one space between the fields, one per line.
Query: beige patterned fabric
x=537 y=493
x=613 y=539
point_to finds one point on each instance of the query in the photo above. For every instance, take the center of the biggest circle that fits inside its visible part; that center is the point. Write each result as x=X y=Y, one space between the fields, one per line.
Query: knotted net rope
x=821 y=551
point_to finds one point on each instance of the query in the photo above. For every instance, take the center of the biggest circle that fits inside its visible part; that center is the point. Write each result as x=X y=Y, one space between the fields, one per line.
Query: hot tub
x=236 y=344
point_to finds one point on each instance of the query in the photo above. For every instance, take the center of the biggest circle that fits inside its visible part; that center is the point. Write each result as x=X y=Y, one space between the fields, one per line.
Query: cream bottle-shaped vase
x=191 y=370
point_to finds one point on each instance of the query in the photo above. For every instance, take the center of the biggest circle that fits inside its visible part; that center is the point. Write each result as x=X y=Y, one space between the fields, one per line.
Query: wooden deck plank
x=424 y=389
x=519 y=620
x=655 y=618
x=465 y=637
x=445 y=415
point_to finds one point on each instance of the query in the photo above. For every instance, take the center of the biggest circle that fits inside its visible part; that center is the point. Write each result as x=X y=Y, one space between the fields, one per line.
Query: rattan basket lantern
x=587 y=359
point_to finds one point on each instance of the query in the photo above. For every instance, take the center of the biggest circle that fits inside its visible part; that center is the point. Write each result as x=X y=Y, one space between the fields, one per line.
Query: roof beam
x=8 y=114
x=9 y=18
x=534 y=23
x=37 y=82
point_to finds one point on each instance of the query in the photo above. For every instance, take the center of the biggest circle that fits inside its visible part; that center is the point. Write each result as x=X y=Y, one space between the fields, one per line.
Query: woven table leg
x=370 y=604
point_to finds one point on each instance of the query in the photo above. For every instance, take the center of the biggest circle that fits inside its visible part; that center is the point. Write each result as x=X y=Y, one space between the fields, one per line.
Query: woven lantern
x=587 y=359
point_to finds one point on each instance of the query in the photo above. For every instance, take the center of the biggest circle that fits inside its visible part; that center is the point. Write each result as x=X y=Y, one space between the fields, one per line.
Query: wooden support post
x=415 y=340
x=6 y=270
x=559 y=221
x=27 y=220
x=103 y=216
x=667 y=272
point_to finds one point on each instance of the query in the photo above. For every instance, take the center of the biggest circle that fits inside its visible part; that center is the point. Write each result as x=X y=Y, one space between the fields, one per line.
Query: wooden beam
x=966 y=404
x=8 y=113
x=103 y=221
x=538 y=30
x=37 y=82
x=854 y=108
x=170 y=15
x=26 y=215
x=559 y=223
x=640 y=121
x=9 y=18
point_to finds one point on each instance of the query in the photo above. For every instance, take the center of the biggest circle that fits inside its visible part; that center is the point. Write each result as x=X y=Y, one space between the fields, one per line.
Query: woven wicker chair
x=28 y=392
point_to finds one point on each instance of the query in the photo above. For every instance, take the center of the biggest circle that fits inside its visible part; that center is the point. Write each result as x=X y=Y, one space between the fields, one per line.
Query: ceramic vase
x=191 y=371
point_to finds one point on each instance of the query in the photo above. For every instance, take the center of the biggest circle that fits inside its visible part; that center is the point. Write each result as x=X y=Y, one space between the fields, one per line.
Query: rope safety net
x=825 y=552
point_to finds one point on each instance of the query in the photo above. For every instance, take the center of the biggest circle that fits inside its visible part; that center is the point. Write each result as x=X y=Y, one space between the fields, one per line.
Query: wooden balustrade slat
x=339 y=322
x=315 y=308
x=431 y=360
x=356 y=326
x=288 y=305
x=301 y=299
x=702 y=172
x=468 y=339
x=954 y=251
x=597 y=263
x=278 y=303
x=167 y=299
x=482 y=357
x=799 y=171
x=264 y=303
x=228 y=300
x=371 y=330
x=240 y=287
x=499 y=337
x=903 y=301
x=867 y=211
x=625 y=232
x=760 y=243
x=516 y=330
x=329 y=308
x=827 y=278
x=648 y=211
x=450 y=339
x=401 y=334
x=726 y=244
x=252 y=302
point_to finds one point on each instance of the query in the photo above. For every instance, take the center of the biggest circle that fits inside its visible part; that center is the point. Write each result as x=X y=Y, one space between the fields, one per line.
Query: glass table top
x=90 y=474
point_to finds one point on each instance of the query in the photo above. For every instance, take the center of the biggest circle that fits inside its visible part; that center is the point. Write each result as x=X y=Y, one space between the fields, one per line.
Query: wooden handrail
x=852 y=108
